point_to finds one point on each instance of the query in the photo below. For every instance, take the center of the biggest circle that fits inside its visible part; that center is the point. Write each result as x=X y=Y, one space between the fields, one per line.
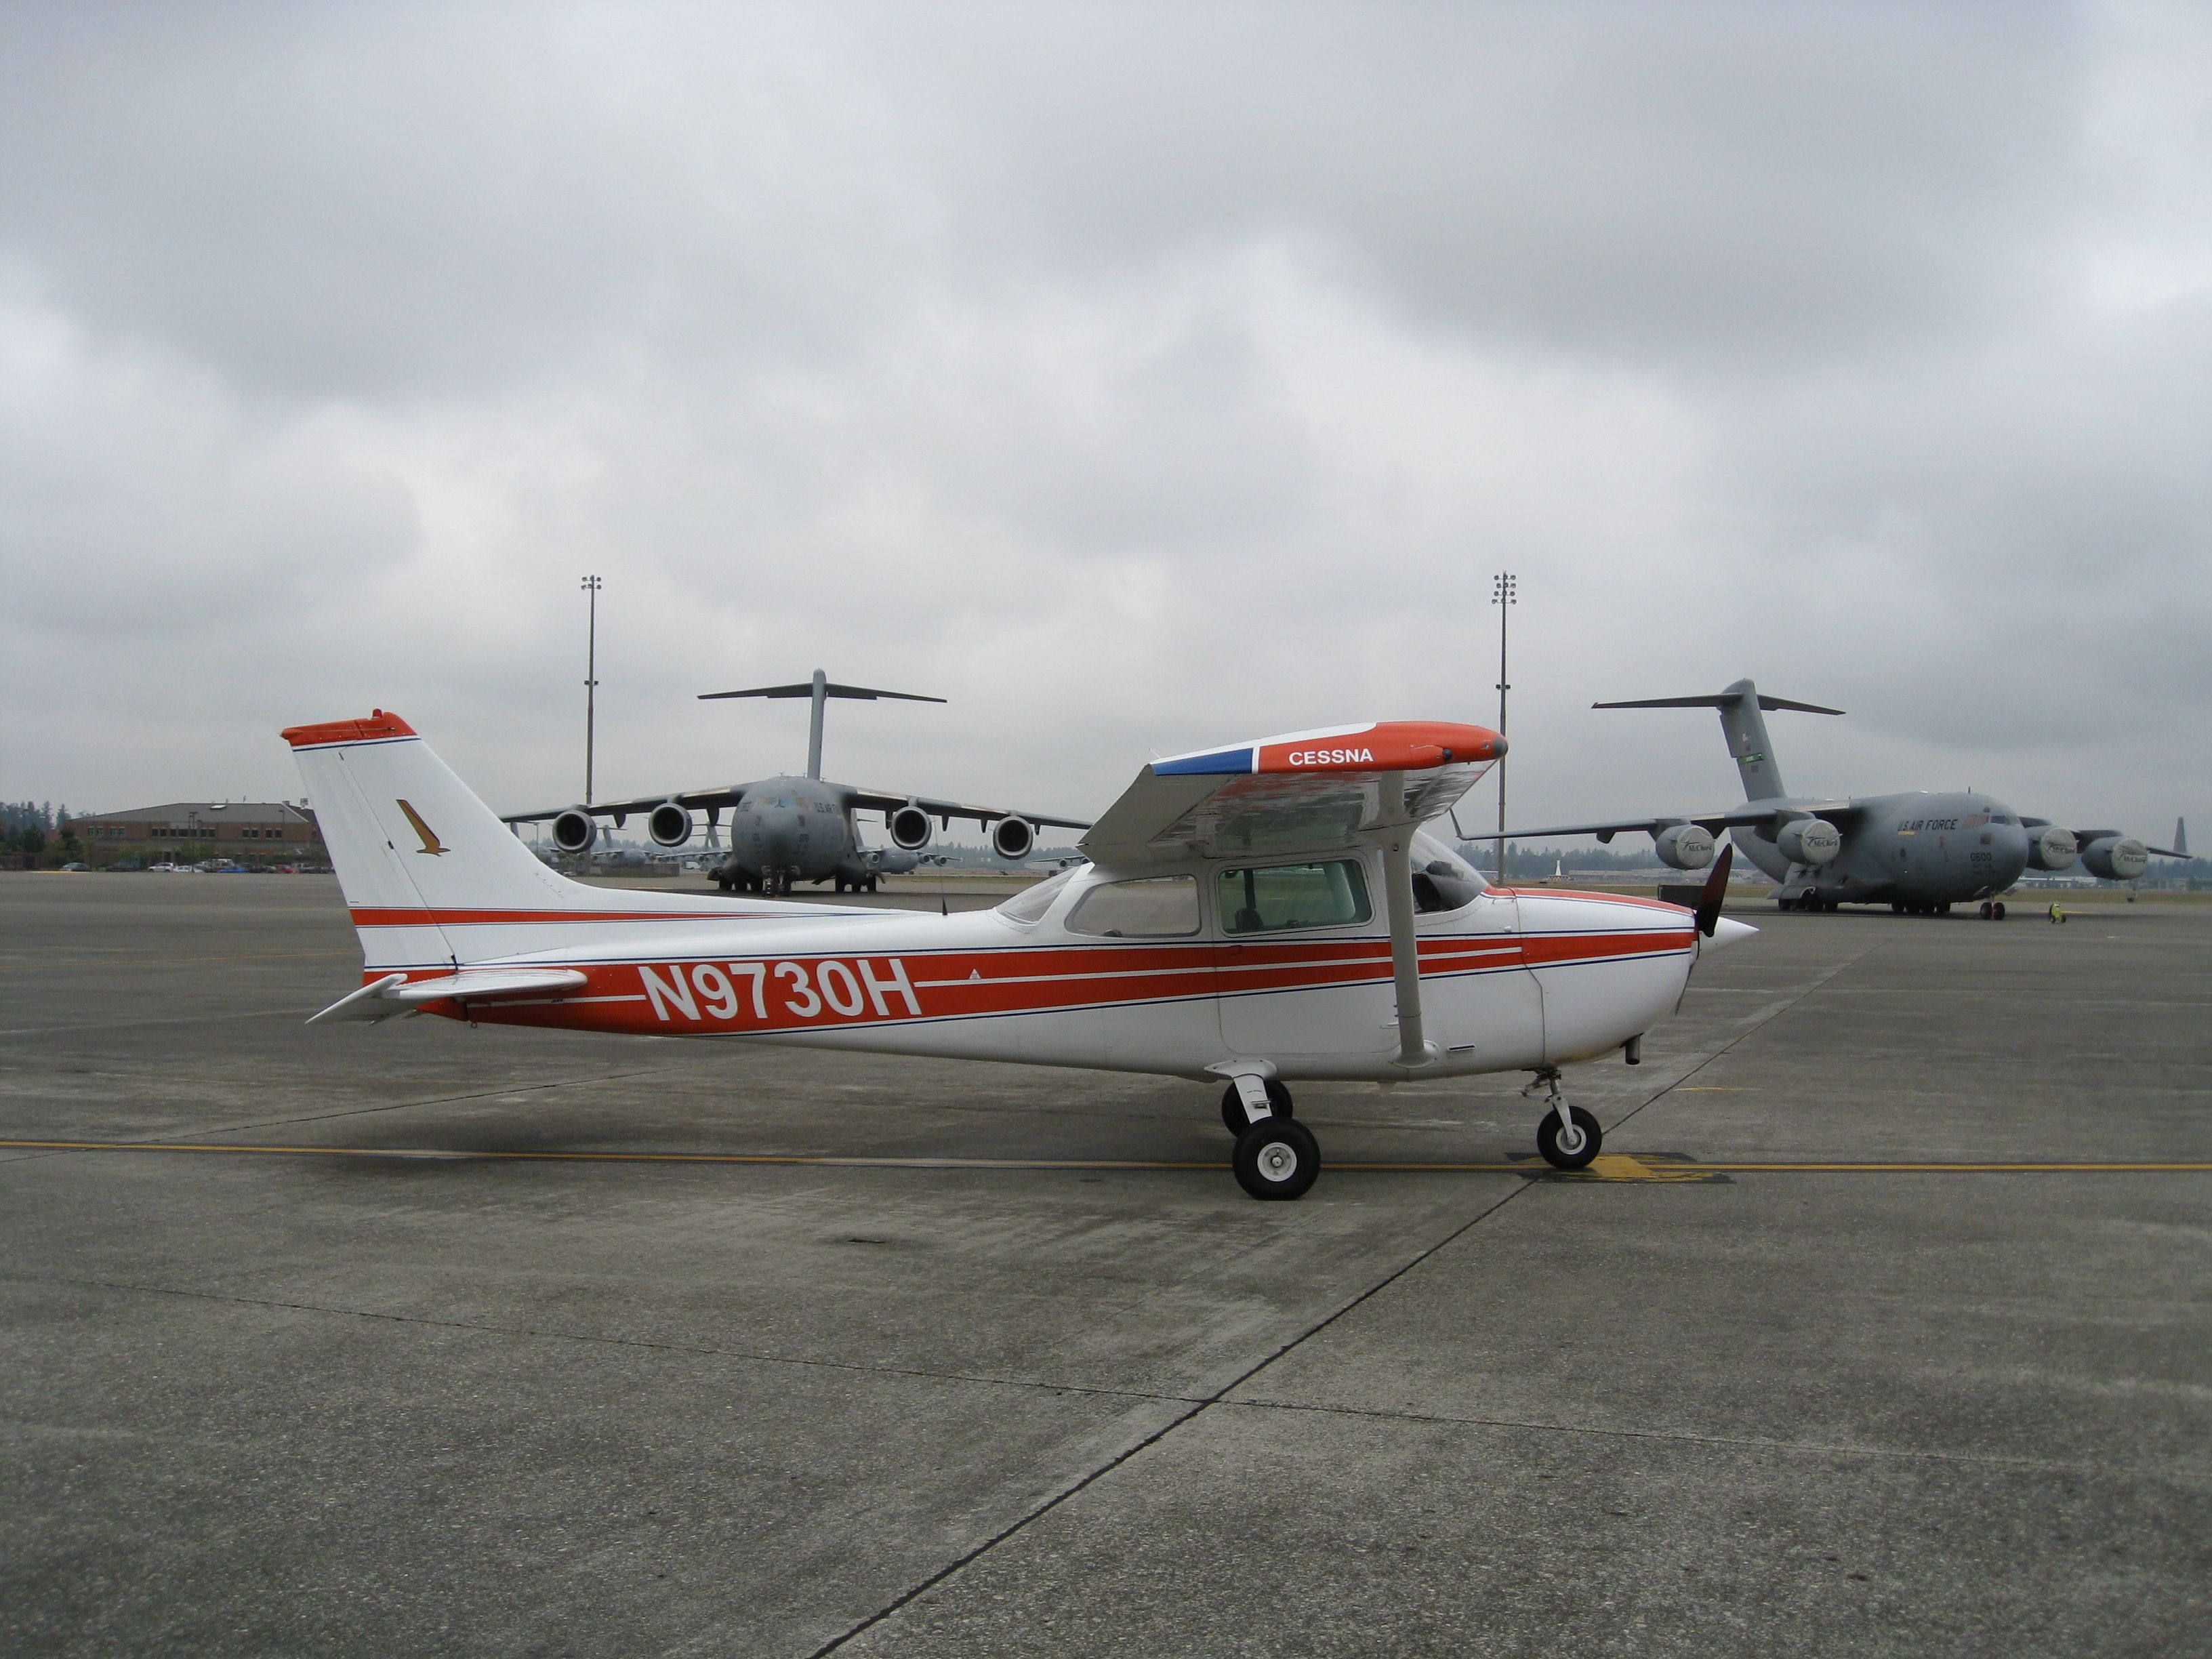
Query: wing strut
x=1413 y=1047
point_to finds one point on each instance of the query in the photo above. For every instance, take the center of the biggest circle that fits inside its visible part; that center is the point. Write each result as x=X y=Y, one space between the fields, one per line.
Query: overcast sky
x=1137 y=378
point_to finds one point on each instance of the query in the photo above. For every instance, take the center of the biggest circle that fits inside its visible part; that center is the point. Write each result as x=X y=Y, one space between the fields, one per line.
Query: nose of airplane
x=2009 y=847
x=1727 y=931
x=779 y=835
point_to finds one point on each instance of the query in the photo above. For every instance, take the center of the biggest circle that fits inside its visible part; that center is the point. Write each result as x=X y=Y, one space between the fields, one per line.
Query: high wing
x=1310 y=791
x=884 y=800
x=1304 y=791
x=727 y=795
x=1837 y=813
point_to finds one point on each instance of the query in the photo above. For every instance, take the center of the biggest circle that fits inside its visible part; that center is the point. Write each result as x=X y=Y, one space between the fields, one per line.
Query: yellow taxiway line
x=1607 y=1166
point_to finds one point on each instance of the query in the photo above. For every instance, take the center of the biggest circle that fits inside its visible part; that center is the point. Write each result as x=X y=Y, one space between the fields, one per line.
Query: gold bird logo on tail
x=431 y=844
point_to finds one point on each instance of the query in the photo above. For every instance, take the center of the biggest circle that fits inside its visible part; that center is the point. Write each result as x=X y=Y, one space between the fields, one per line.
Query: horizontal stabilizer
x=395 y=995
x=1719 y=700
x=863 y=693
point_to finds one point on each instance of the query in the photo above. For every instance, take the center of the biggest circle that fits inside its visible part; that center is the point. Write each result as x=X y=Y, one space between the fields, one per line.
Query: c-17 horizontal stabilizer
x=830 y=689
x=1719 y=700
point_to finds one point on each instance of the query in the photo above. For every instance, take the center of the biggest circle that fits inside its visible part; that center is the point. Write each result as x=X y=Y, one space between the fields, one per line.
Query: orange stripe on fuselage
x=808 y=991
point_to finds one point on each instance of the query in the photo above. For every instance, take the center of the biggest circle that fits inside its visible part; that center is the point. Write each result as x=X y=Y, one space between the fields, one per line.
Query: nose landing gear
x=1568 y=1137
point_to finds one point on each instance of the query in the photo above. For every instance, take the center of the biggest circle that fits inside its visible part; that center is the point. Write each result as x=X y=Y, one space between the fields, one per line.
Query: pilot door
x=1302 y=959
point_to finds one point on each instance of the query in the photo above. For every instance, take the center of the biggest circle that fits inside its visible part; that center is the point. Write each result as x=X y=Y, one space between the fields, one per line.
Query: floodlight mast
x=591 y=679
x=1503 y=589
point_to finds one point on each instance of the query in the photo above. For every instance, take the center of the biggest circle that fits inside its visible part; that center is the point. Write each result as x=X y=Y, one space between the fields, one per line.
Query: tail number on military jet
x=802 y=990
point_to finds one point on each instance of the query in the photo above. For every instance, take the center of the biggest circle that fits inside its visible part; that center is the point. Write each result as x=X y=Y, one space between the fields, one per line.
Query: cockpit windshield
x=1031 y=904
x=1442 y=879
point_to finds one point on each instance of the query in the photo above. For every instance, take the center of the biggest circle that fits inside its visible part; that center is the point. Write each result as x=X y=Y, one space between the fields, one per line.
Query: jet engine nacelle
x=909 y=828
x=669 y=824
x=1013 y=838
x=1813 y=842
x=2051 y=849
x=2116 y=858
x=883 y=861
x=575 y=830
x=1684 y=847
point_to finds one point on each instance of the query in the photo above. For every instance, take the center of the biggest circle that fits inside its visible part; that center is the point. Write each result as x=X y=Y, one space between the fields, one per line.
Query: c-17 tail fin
x=1740 y=706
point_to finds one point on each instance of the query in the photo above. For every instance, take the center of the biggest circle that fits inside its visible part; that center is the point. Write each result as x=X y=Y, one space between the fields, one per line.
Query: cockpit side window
x=1276 y=898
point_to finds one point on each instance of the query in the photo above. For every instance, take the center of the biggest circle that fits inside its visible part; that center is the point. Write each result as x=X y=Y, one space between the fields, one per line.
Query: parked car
x=74 y=866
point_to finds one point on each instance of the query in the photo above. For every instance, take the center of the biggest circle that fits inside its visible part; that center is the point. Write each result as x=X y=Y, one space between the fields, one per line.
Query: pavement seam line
x=1218 y=1397
x=1198 y=1405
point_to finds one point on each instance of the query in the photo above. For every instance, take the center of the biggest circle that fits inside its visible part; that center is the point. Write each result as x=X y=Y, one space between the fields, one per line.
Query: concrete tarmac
x=416 y=1339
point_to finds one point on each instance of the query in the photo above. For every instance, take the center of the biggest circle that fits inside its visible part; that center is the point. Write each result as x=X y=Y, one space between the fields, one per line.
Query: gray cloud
x=1137 y=378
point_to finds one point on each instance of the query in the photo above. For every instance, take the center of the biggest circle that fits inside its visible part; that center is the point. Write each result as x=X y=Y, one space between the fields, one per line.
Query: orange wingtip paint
x=380 y=724
x=1387 y=745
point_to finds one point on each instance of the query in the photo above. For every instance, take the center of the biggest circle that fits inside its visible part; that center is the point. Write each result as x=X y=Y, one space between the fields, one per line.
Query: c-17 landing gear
x=1568 y=1137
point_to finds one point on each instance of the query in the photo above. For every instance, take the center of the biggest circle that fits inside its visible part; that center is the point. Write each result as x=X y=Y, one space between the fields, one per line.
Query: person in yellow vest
x=2057 y=914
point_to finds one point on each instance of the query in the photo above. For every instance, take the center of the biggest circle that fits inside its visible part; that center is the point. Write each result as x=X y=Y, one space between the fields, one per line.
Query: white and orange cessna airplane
x=1254 y=915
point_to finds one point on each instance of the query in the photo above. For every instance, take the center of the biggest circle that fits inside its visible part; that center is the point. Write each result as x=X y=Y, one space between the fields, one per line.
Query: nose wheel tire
x=1276 y=1157
x=1569 y=1149
x=1236 y=1119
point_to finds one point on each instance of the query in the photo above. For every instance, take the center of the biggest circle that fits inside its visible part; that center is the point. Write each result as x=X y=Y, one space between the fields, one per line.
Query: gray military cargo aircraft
x=1919 y=854
x=788 y=828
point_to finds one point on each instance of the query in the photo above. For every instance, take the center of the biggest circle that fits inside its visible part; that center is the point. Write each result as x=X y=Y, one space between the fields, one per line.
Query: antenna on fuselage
x=818 y=690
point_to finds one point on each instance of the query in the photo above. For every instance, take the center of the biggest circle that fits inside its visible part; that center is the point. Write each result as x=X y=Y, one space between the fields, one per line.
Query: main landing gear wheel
x=1236 y=1119
x=1569 y=1148
x=1276 y=1157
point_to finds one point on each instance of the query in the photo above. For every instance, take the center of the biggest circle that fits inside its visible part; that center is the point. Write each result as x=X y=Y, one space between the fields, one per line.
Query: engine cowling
x=669 y=824
x=2116 y=858
x=1811 y=841
x=575 y=830
x=1684 y=847
x=909 y=828
x=2050 y=848
x=1013 y=838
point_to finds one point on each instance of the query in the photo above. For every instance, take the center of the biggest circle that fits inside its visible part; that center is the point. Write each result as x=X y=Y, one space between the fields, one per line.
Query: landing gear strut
x=1568 y=1137
x=1236 y=1120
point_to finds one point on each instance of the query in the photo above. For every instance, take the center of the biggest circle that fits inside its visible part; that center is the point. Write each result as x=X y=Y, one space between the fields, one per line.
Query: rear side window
x=1282 y=896
x=1155 y=907
x=1029 y=906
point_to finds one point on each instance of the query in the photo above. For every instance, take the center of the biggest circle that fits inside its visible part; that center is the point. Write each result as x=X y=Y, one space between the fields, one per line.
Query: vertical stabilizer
x=414 y=850
x=1745 y=727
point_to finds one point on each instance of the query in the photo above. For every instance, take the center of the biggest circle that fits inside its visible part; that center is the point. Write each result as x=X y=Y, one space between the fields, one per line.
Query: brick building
x=246 y=831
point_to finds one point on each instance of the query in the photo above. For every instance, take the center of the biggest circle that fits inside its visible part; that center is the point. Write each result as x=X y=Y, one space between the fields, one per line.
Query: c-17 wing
x=1737 y=818
x=727 y=795
x=943 y=811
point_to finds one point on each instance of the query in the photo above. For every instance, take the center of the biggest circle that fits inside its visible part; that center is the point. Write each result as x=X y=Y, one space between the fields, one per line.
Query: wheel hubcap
x=1569 y=1139
x=1278 y=1162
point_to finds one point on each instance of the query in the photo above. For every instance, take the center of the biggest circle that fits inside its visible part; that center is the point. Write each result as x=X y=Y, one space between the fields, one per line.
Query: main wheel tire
x=1276 y=1157
x=1547 y=1139
x=1996 y=911
x=1233 y=1116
